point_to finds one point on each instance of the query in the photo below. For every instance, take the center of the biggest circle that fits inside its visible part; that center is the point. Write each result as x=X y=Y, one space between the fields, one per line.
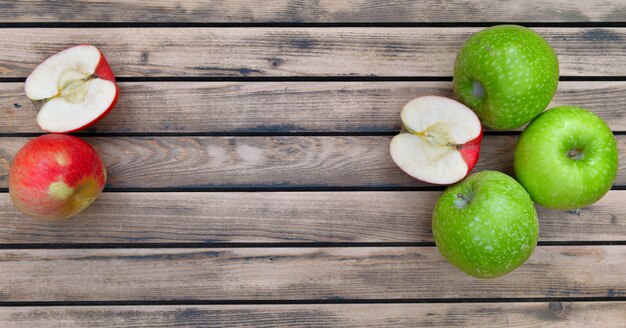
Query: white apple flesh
x=73 y=89
x=442 y=140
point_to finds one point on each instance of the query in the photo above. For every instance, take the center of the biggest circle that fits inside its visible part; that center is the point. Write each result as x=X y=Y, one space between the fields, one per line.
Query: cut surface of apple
x=441 y=143
x=73 y=89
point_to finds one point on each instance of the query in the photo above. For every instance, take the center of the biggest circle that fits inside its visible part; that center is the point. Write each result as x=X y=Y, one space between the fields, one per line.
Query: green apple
x=486 y=225
x=566 y=158
x=507 y=74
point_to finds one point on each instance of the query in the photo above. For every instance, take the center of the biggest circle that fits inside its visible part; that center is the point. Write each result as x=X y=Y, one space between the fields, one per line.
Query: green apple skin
x=507 y=74
x=566 y=158
x=486 y=225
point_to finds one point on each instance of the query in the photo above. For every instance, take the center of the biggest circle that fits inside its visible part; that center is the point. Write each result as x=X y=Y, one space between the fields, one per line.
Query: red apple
x=73 y=89
x=442 y=140
x=55 y=177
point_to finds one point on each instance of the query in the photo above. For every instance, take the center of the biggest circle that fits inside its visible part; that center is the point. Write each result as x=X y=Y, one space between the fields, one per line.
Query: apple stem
x=462 y=201
x=575 y=153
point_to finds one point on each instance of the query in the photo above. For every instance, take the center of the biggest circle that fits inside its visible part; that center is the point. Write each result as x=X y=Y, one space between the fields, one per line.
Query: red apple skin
x=470 y=151
x=55 y=176
x=103 y=71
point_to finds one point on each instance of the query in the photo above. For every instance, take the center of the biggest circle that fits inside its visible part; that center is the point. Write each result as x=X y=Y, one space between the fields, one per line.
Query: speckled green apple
x=486 y=225
x=507 y=74
x=566 y=158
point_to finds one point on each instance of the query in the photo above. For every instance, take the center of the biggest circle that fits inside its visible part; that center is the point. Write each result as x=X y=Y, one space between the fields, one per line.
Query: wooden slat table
x=249 y=178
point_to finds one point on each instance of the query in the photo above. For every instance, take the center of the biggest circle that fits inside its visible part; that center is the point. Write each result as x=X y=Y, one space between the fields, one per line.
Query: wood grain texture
x=530 y=315
x=298 y=274
x=286 y=217
x=241 y=52
x=283 y=107
x=257 y=11
x=266 y=162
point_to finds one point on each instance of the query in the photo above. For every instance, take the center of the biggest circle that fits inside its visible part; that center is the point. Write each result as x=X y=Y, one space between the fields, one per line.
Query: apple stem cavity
x=461 y=201
x=478 y=90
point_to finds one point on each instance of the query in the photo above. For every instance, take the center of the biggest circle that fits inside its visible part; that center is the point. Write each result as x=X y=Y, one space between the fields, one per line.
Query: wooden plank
x=265 y=162
x=344 y=11
x=287 y=217
x=240 y=52
x=535 y=314
x=298 y=274
x=283 y=107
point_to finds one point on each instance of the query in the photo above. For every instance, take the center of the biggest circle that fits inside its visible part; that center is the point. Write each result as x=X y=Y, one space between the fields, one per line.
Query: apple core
x=75 y=91
x=437 y=134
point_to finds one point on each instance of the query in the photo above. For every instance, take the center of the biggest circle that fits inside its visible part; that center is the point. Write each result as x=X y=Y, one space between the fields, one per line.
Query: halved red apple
x=441 y=143
x=73 y=89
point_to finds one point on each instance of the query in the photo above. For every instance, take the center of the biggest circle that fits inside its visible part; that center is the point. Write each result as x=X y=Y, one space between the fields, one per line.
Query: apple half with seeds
x=441 y=143
x=73 y=89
